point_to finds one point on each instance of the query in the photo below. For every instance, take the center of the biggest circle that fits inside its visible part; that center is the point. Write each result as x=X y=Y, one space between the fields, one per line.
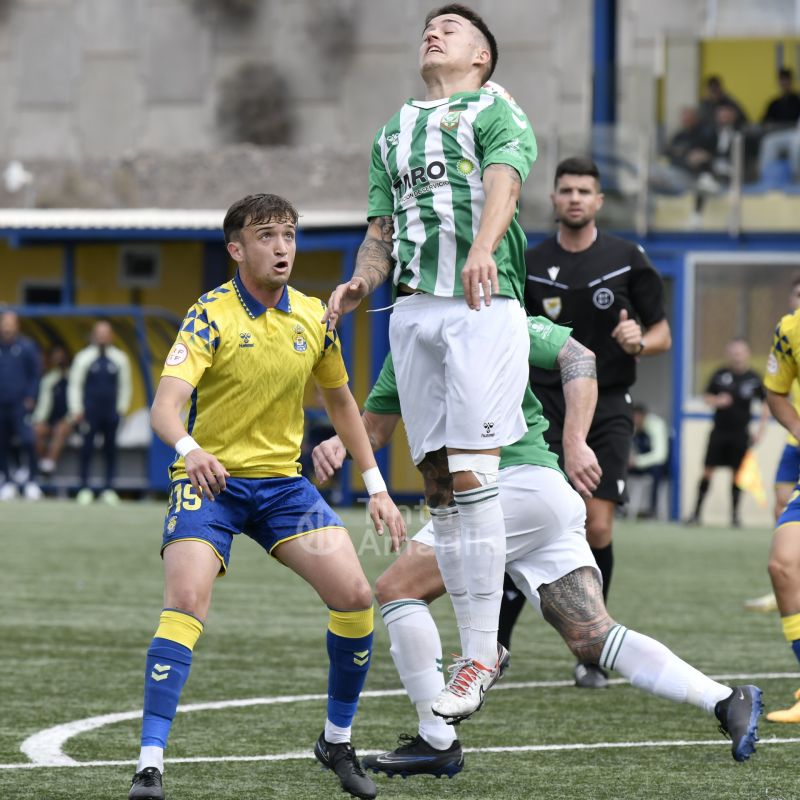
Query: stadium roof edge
x=152 y=219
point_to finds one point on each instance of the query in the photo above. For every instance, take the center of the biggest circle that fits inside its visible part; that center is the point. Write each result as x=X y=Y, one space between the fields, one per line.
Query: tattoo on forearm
x=574 y=606
x=576 y=361
x=374 y=259
x=437 y=479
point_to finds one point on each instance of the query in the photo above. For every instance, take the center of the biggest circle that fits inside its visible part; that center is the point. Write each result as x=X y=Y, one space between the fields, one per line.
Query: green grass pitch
x=79 y=598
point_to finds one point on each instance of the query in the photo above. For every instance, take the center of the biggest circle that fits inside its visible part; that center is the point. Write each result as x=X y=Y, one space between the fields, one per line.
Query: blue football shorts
x=268 y=510
x=789 y=466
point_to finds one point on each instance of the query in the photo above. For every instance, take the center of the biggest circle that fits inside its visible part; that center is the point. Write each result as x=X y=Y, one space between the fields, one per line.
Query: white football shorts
x=461 y=374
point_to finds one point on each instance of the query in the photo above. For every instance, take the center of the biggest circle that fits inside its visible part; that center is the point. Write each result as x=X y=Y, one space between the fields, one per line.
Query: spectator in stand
x=689 y=153
x=19 y=384
x=784 y=110
x=730 y=392
x=781 y=122
x=649 y=453
x=50 y=419
x=715 y=96
x=719 y=172
x=98 y=394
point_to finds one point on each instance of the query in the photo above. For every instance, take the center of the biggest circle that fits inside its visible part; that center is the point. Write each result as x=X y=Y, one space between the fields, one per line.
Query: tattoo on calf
x=574 y=606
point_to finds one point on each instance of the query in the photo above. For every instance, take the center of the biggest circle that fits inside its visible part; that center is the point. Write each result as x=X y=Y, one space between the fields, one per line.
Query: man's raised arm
x=374 y=262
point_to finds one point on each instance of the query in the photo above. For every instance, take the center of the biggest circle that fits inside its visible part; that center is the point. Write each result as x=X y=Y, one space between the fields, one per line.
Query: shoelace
x=149 y=777
x=406 y=742
x=349 y=754
x=464 y=674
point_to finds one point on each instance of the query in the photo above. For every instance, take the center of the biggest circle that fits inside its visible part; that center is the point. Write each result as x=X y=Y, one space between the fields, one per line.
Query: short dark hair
x=577 y=165
x=714 y=82
x=639 y=408
x=257 y=208
x=785 y=72
x=469 y=15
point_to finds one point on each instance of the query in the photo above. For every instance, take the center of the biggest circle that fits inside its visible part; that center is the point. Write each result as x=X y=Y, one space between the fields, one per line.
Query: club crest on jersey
x=246 y=337
x=450 y=120
x=552 y=307
x=392 y=139
x=603 y=298
x=299 y=337
x=172 y=524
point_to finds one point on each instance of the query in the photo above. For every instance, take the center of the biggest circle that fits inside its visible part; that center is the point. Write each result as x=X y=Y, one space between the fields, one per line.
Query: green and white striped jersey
x=426 y=171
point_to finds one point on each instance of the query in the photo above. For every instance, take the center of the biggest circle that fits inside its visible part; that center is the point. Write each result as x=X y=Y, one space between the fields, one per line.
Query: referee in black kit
x=611 y=296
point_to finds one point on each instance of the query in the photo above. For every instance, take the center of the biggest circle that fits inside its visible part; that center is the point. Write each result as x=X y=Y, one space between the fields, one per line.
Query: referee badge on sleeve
x=552 y=307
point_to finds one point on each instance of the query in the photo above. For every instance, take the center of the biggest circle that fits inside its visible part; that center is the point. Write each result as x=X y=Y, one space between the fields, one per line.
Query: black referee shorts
x=610 y=436
x=726 y=448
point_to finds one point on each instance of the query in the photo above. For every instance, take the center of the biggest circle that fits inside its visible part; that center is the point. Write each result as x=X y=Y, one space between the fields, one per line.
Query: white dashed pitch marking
x=45 y=749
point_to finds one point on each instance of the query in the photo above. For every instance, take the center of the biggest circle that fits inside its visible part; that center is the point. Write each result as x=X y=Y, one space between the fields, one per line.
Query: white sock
x=336 y=735
x=447 y=544
x=652 y=666
x=151 y=756
x=483 y=537
x=417 y=654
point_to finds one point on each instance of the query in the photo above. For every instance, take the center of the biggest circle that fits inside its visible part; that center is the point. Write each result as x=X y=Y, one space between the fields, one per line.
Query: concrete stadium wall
x=107 y=78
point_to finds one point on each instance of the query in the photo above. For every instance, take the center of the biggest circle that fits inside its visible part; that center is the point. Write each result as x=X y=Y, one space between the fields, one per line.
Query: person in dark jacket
x=19 y=385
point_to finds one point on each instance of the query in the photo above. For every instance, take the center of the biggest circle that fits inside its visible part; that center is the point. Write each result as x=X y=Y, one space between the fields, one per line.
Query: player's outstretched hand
x=582 y=468
x=344 y=298
x=327 y=457
x=206 y=474
x=383 y=510
x=479 y=272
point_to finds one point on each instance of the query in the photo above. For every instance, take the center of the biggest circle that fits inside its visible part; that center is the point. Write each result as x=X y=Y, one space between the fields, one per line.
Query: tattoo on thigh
x=574 y=606
x=437 y=479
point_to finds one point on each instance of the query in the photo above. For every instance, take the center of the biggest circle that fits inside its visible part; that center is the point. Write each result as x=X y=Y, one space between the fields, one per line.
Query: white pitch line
x=309 y=755
x=45 y=749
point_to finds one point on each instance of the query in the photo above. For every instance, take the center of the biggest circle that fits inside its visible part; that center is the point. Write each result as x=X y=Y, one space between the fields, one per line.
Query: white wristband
x=373 y=480
x=185 y=445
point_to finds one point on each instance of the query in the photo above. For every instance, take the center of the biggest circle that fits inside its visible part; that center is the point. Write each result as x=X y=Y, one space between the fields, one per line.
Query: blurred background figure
x=730 y=392
x=781 y=125
x=98 y=395
x=50 y=419
x=649 y=454
x=19 y=384
x=715 y=96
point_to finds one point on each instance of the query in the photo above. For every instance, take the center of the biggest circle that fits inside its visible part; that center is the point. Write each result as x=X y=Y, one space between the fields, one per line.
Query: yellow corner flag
x=748 y=478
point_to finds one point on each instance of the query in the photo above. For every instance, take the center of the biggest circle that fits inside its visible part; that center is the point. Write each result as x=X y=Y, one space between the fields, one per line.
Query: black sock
x=736 y=496
x=510 y=608
x=702 y=491
x=605 y=561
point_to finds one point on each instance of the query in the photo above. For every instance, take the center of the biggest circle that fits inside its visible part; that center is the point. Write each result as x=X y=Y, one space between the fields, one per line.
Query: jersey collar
x=426 y=104
x=253 y=308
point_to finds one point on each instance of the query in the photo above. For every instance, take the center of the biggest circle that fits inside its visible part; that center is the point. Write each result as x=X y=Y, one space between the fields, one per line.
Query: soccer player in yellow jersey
x=783 y=367
x=241 y=361
x=788 y=471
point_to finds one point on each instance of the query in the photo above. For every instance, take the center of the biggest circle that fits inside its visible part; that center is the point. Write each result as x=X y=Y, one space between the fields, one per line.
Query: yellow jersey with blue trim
x=249 y=366
x=782 y=364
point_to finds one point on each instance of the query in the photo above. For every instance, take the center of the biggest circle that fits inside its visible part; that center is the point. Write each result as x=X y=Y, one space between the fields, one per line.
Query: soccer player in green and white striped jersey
x=445 y=179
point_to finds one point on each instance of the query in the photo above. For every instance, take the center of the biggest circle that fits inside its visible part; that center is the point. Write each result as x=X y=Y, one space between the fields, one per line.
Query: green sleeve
x=381 y=200
x=383 y=399
x=547 y=339
x=506 y=137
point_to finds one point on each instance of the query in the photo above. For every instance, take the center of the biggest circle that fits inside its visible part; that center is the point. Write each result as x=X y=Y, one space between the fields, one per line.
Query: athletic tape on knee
x=482 y=466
